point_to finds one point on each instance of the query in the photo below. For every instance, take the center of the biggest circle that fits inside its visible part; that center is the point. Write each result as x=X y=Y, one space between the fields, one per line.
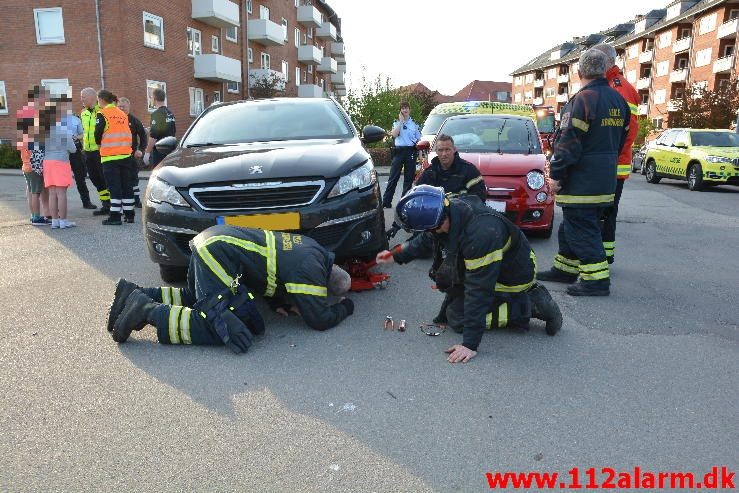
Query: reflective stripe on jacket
x=617 y=81
x=88 y=117
x=117 y=140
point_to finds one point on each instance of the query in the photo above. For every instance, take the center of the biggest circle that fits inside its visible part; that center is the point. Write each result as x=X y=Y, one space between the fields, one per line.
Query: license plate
x=496 y=205
x=279 y=221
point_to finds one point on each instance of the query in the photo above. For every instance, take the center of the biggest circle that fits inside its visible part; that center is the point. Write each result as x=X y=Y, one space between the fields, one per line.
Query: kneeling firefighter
x=484 y=249
x=228 y=264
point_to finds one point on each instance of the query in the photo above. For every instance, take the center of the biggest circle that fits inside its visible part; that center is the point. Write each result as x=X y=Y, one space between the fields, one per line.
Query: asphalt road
x=646 y=377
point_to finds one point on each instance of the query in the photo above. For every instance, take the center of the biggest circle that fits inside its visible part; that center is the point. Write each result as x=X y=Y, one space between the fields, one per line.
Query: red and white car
x=508 y=152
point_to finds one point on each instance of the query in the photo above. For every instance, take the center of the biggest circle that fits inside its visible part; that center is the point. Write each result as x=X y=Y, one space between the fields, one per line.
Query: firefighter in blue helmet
x=592 y=130
x=484 y=249
x=228 y=265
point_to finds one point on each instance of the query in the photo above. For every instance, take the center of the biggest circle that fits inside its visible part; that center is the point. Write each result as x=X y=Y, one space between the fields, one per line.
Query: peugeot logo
x=255 y=170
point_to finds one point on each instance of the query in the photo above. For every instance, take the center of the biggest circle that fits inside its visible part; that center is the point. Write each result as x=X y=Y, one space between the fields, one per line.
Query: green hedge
x=10 y=158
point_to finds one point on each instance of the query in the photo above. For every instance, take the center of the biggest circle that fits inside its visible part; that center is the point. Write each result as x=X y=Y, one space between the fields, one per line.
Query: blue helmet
x=422 y=208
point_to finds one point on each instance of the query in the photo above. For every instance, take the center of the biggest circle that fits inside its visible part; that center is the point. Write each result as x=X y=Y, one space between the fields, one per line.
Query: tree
x=702 y=108
x=266 y=86
x=645 y=128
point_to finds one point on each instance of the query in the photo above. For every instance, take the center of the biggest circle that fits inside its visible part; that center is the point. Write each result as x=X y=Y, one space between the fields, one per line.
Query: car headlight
x=160 y=191
x=356 y=179
x=535 y=180
x=718 y=159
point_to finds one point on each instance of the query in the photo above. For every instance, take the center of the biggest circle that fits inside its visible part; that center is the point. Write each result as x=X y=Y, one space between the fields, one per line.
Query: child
x=58 y=143
x=32 y=159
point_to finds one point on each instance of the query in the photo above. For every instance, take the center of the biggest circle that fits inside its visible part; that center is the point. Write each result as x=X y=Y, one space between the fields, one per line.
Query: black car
x=285 y=164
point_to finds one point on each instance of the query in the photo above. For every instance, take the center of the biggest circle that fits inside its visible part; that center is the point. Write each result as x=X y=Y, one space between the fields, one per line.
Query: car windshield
x=433 y=122
x=715 y=139
x=269 y=120
x=545 y=123
x=507 y=135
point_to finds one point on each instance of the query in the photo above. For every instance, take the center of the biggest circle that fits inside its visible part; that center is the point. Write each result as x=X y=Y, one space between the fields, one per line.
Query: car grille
x=328 y=235
x=253 y=196
x=183 y=241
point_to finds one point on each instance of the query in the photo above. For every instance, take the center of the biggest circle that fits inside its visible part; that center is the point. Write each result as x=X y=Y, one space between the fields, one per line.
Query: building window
x=285 y=71
x=682 y=63
x=310 y=69
x=517 y=97
x=728 y=50
x=659 y=96
x=322 y=84
x=310 y=32
x=215 y=44
x=551 y=73
x=632 y=51
x=549 y=92
x=297 y=76
x=684 y=33
x=153 y=31
x=57 y=87
x=232 y=34
x=663 y=68
x=3 y=99
x=232 y=87
x=657 y=122
x=284 y=29
x=517 y=81
x=196 y=101
x=733 y=14
x=248 y=6
x=49 y=26
x=265 y=61
x=217 y=96
x=501 y=96
x=679 y=93
x=150 y=86
x=297 y=37
x=297 y=3
x=664 y=40
x=250 y=55
x=264 y=12
x=707 y=24
x=305 y=76
x=703 y=58
x=194 y=45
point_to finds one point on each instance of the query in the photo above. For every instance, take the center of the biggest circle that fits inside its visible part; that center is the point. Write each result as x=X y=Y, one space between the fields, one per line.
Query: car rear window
x=505 y=135
x=714 y=139
x=269 y=120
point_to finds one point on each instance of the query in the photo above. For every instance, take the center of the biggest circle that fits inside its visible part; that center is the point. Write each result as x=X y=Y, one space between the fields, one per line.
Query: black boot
x=89 y=205
x=104 y=209
x=137 y=203
x=545 y=308
x=136 y=315
x=113 y=220
x=556 y=275
x=589 y=288
x=122 y=289
x=128 y=217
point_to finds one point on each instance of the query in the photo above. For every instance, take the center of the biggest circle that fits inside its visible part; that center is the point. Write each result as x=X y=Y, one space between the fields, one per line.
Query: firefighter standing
x=90 y=150
x=623 y=165
x=582 y=174
x=484 y=249
x=114 y=137
x=288 y=266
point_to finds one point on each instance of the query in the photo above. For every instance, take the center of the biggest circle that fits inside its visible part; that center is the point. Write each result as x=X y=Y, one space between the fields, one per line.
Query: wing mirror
x=372 y=133
x=423 y=145
x=166 y=145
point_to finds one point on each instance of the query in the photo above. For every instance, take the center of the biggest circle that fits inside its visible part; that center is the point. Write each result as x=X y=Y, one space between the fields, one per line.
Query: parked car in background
x=288 y=164
x=508 y=152
x=637 y=158
x=702 y=157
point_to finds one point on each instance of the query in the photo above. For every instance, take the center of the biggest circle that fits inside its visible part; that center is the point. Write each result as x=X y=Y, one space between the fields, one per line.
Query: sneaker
x=89 y=205
x=39 y=221
x=556 y=275
x=64 y=223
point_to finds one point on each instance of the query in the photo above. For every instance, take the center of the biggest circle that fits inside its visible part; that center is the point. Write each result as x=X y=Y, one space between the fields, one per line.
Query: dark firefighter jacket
x=481 y=241
x=592 y=130
x=274 y=264
x=461 y=177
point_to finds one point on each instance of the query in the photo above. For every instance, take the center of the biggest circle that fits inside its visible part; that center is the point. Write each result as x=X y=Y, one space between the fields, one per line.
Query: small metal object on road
x=389 y=323
x=431 y=329
x=401 y=326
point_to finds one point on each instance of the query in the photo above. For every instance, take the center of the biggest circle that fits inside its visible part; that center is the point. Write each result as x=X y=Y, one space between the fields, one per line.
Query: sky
x=445 y=44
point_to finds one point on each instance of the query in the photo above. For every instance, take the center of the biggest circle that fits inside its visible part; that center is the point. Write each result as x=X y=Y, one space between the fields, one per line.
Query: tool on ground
x=389 y=323
x=401 y=326
x=431 y=329
x=362 y=278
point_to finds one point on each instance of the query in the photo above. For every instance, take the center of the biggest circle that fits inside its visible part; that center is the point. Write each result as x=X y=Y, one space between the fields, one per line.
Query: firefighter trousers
x=608 y=222
x=506 y=310
x=581 y=249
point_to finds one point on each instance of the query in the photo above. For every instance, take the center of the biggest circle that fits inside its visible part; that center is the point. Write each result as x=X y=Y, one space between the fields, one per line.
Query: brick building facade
x=195 y=49
x=662 y=53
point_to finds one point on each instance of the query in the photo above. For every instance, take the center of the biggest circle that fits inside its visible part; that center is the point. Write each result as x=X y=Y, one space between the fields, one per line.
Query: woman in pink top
x=58 y=144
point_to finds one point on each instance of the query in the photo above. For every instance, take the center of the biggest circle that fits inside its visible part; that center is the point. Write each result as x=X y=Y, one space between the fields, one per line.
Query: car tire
x=695 y=177
x=651 y=172
x=172 y=273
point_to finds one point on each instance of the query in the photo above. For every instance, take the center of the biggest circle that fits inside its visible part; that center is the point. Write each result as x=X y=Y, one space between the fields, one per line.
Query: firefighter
x=484 y=249
x=619 y=83
x=113 y=135
x=582 y=174
x=228 y=264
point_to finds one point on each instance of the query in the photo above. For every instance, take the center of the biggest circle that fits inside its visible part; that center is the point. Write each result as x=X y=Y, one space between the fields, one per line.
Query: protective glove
x=235 y=335
x=348 y=304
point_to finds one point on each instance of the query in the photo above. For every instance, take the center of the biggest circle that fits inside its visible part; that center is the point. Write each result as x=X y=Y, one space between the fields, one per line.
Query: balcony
x=646 y=56
x=679 y=75
x=538 y=100
x=341 y=92
x=723 y=64
x=643 y=109
x=217 y=68
x=673 y=106
x=267 y=77
x=563 y=78
x=265 y=32
x=309 y=54
x=338 y=79
x=309 y=16
x=538 y=82
x=561 y=98
x=643 y=83
x=309 y=91
x=216 y=13
x=326 y=31
x=328 y=65
x=338 y=51
x=727 y=29
x=682 y=44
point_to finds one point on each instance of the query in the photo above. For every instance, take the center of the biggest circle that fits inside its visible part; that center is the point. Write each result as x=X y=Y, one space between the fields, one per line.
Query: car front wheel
x=695 y=177
x=651 y=172
x=172 y=273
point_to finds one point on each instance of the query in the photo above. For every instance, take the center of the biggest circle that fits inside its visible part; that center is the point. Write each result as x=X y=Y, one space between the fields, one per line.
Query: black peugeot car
x=285 y=164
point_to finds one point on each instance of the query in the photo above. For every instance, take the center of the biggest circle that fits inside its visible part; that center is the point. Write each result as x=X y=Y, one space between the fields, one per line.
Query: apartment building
x=663 y=53
x=199 y=51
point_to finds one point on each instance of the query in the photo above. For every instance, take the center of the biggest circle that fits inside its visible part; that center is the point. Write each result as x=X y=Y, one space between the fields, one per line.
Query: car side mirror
x=166 y=145
x=681 y=144
x=372 y=133
x=423 y=145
